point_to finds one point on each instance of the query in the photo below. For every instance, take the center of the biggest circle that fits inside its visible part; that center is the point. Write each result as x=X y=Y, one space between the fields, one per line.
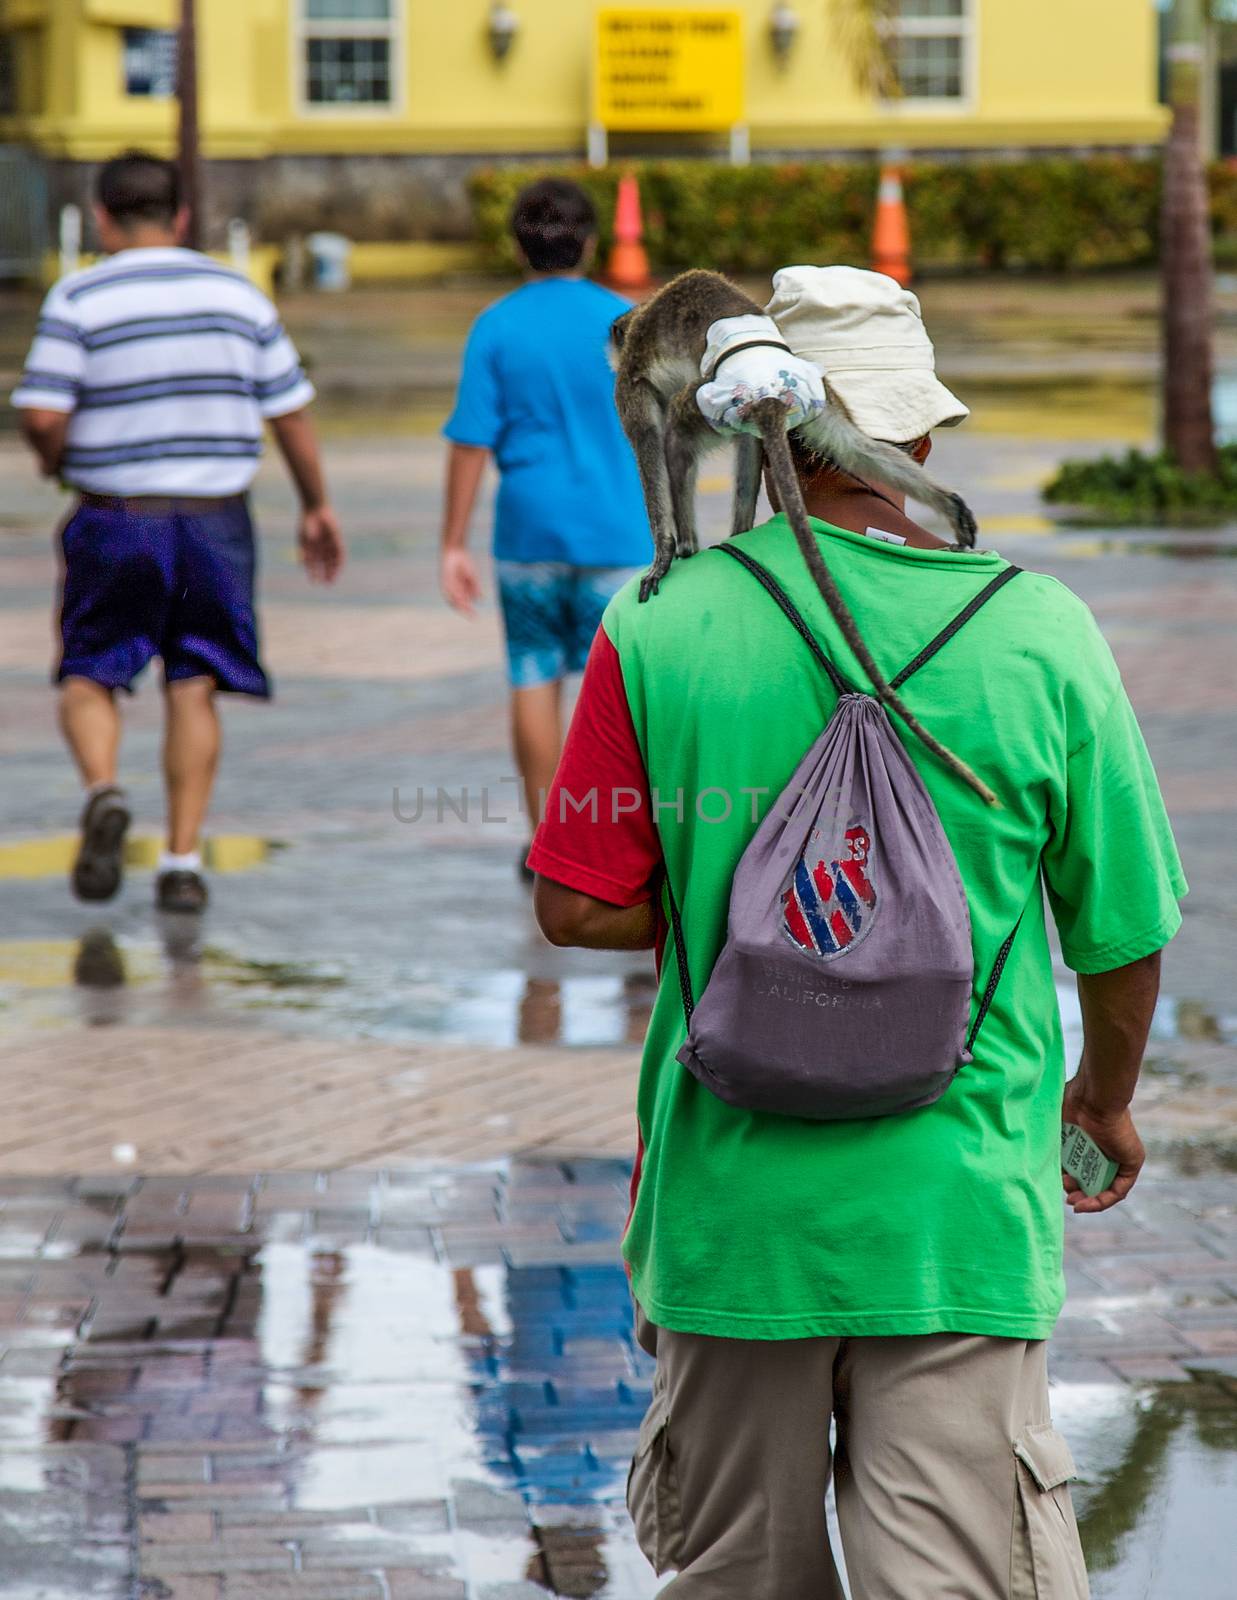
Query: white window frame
x=965 y=27
x=306 y=28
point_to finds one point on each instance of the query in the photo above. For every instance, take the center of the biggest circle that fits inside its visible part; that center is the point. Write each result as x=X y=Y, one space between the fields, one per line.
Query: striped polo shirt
x=168 y=363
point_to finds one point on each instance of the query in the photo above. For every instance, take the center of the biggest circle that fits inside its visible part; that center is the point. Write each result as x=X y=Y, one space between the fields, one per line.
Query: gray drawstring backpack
x=844 y=986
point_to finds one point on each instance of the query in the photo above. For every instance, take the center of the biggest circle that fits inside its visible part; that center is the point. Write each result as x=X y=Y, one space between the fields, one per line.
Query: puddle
x=393 y=1389
x=1159 y=1469
x=183 y=977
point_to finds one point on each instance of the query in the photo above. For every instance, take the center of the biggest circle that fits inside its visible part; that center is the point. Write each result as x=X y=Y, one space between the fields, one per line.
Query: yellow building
x=394 y=100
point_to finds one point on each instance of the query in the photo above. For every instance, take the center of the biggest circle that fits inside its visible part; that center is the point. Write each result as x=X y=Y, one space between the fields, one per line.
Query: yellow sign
x=668 y=69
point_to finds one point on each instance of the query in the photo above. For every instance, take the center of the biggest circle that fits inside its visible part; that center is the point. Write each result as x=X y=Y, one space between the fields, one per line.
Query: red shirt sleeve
x=598 y=836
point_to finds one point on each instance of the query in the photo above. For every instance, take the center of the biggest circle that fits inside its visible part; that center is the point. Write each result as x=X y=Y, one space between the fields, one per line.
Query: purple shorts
x=176 y=586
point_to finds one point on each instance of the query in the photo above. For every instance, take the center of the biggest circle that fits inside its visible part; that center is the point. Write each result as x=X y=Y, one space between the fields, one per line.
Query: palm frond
x=863 y=32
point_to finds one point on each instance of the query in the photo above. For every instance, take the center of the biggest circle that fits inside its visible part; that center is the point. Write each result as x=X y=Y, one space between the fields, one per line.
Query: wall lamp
x=784 y=28
x=502 y=29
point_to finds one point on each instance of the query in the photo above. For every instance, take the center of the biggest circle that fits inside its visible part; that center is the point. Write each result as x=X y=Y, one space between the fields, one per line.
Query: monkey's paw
x=964 y=521
x=649 y=584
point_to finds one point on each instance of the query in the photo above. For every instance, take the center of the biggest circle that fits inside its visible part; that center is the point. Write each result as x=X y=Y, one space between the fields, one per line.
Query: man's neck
x=146 y=239
x=859 y=509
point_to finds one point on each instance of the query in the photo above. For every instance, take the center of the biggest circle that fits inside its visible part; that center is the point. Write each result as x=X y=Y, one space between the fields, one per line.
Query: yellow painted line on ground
x=1085 y=549
x=715 y=485
x=1018 y=522
x=1024 y=478
x=52 y=858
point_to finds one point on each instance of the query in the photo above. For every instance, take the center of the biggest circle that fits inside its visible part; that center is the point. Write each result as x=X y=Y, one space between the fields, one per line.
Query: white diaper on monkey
x=757 y=364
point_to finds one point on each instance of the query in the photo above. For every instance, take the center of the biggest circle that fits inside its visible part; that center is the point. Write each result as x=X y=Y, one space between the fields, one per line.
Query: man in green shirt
x=898 y=1275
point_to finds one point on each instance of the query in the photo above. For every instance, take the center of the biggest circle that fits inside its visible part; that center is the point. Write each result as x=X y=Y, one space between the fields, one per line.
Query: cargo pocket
x=653 y=1489
x=1046 y=1562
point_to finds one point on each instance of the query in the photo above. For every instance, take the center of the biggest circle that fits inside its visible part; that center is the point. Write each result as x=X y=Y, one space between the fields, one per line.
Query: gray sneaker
x=100 y=864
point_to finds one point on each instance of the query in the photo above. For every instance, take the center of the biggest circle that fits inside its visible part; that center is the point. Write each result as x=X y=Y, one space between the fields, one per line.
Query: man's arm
x=45 y=432
x=567 y=917
x=465 y=467
x=1117 y=1008
x=320 y=538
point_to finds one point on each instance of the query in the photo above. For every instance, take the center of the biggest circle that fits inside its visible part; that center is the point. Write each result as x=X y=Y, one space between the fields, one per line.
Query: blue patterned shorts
x=551 y=610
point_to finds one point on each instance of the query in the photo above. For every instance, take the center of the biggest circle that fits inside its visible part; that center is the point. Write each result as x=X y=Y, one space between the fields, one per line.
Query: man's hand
x=461 y=585
x=1116 y=1136
x=319 y=536
x=321 y=543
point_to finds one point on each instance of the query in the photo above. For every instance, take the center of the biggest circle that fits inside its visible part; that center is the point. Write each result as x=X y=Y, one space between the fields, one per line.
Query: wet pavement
x=422 y=1385
x=379 y=1368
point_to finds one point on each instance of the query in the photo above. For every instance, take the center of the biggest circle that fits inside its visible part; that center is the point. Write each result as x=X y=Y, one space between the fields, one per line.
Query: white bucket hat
x=865 y=333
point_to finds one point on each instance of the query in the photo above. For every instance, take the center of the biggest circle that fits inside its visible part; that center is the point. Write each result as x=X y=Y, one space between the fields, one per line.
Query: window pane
x=348 y=71
x=347 y=10
x=933 y=8
x=929 y=67
x=149 y=61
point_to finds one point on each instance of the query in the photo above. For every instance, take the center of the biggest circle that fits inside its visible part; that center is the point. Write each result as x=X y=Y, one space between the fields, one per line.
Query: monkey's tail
x=833 y=435
x=772 y=420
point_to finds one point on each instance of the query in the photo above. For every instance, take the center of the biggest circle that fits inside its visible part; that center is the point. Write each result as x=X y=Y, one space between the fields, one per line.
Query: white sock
x=191 y=861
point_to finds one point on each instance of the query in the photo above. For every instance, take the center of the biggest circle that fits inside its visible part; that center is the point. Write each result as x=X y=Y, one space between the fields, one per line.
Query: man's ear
x=106 y=231
x=589 y=254
x=180 y=224
x=923 y=449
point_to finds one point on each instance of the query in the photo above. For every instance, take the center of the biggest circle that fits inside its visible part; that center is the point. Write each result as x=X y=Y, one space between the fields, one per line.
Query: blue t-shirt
x=537 y=390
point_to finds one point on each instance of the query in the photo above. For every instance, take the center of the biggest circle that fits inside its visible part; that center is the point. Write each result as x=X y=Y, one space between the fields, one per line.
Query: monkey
x=656 y=349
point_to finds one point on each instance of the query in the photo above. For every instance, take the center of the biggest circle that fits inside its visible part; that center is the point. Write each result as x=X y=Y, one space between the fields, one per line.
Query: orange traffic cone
x=629 y=262
x=891 y=234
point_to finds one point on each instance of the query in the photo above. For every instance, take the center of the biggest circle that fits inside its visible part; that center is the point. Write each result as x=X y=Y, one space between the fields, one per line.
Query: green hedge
x=1146 y=490
x=1050 y=213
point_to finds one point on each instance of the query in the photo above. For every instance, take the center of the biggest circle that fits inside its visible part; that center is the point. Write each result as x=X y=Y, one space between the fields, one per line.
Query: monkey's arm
x=567 y=917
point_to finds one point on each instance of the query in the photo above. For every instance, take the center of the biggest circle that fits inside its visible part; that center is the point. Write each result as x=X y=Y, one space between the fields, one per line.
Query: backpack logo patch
x=830 y=907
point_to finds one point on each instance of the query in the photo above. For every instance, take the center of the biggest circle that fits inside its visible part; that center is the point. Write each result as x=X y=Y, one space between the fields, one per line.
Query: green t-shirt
x=947 y=1219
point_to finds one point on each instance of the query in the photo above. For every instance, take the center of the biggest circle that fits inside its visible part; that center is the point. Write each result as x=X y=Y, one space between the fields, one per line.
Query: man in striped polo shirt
x=145 y=391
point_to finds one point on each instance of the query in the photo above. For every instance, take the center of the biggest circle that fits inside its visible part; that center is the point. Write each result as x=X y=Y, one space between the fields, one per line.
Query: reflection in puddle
x=1159 y=1482
x=1178 y=549
x=429 y=1374
x=98 y=963
x=186 y=976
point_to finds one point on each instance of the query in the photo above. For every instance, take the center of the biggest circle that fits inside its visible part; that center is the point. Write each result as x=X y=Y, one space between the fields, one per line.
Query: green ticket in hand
x=1085 y=1162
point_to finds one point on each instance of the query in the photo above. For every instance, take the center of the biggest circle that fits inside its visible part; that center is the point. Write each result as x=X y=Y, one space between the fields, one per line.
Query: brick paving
x=264 y=1099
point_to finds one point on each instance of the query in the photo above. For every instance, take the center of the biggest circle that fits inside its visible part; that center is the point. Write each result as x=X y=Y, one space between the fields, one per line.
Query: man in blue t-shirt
x=570 y=526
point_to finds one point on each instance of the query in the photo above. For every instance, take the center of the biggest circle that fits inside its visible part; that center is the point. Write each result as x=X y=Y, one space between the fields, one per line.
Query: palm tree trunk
x=189 y=153
x=1189 y=434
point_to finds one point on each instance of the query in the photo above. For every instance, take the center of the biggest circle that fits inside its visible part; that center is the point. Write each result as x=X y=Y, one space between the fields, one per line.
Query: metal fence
x=23 y=213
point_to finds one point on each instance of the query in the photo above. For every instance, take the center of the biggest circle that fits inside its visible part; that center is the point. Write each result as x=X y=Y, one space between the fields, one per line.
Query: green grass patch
x=1138 y=488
